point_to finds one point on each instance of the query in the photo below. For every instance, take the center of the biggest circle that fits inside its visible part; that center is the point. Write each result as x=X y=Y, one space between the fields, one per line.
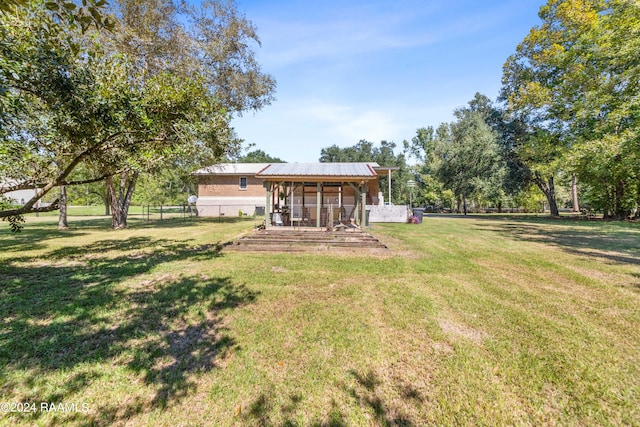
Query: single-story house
x=296 y=193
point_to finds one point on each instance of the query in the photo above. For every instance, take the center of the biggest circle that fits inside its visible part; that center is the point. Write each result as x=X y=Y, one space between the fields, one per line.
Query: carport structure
x=317 y=194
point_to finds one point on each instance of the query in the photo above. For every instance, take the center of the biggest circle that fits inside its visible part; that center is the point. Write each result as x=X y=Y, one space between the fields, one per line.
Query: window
x=243 y=182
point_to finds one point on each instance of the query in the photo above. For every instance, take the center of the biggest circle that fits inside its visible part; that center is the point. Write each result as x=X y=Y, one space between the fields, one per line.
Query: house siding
x=229 y=186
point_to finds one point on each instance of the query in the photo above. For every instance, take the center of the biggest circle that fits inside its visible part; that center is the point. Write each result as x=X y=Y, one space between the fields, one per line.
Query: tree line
x=564 y=129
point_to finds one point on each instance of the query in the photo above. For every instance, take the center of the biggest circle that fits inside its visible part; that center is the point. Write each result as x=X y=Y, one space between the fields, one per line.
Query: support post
x=318 y=203
x=363 y=195
x=356 y=199
x=389 y=186
x=267 y=208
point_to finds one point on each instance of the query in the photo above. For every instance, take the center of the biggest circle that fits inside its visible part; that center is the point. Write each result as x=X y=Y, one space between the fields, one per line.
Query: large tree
x=575 y=81
x=216 y=47
x=134 y=100
x=45 y=87
x=467 y=157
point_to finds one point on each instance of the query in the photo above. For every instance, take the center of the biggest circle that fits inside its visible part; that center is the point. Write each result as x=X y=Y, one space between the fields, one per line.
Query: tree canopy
x=575 y=81
x=158 y=90
x=259 y=156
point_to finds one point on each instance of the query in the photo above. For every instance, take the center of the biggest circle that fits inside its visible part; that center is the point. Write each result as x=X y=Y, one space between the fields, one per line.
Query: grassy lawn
x=467 y=321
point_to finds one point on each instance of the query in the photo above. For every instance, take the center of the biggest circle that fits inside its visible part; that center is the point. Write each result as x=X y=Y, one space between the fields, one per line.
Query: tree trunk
x=121 y=198
x=62 y=218
x=106 y=199
x=620 y=211
x=459 y=205
x=549 y=190
x=464 y=204
x=637 y=216
x=574 y=193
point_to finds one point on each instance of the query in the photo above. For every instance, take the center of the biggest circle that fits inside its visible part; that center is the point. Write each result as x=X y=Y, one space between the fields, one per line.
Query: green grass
x=467 y=321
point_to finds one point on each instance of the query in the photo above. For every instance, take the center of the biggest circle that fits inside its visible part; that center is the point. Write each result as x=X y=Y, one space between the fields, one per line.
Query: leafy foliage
x=463 y=159
x=467 y=157
x=15 y=221
x=147 y=96
x=575 y=80
x=259 y=156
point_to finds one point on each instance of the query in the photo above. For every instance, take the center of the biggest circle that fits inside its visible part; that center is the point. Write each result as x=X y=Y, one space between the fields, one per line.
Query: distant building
x=18 y=197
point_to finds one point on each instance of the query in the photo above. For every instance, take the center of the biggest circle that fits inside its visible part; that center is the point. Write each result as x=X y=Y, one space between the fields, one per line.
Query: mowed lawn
x=465 y=321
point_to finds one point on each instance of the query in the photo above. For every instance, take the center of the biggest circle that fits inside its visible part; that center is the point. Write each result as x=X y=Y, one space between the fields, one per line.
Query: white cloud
x=361 y=30
x=351 y=123
x=298 y=130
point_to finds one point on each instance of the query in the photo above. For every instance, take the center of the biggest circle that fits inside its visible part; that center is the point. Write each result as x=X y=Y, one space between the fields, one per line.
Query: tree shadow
x=617 y=244
x=263 y=411
x=173 y=222
x=67 y=313
x=34 y=233
x=386 y=412
x=368 y=393
x=32 y=236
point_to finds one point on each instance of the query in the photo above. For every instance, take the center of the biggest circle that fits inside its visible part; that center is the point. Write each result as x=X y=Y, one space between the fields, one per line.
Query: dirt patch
x=454 y=329
x=442 y=347
x=165 y=278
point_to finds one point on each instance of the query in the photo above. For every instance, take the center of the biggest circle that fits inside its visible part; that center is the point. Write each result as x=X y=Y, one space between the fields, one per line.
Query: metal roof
x=359 y=170
x=232 y=169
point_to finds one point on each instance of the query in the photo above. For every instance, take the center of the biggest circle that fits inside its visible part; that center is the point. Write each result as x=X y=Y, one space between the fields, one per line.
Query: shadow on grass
x=173 y=222
x=385 y=413
x=67 y=313
x=34 y=235
x=263 y=410
x=618 y=243
x=366 y=393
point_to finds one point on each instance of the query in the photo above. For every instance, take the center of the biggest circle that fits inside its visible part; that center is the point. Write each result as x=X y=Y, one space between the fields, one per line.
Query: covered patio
x=320 y=195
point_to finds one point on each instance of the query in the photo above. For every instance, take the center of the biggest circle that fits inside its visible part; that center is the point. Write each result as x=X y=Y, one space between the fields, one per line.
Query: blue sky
x=374 y=70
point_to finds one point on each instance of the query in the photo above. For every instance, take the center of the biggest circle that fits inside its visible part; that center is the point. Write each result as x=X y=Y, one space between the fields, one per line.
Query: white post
x=267 y=209
x=318 y=204
x=389 y=186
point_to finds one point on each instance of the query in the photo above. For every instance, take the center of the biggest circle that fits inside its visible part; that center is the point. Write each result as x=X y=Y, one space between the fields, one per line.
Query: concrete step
x=300 y=248
x=291 y=241
x=323 y=239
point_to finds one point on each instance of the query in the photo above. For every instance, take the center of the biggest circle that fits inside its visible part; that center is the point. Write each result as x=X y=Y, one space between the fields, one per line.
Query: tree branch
x=27 y=185
x=24 y=210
